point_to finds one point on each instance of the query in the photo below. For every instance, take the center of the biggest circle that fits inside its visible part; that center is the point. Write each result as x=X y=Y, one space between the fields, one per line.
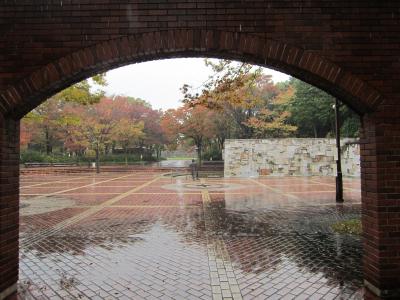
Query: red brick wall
x=349 y=48
x=380 y=165
x=32 y=90
x=9 y=184
x=360 y=37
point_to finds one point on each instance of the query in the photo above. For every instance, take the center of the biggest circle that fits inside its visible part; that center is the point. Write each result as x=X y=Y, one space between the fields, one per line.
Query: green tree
x=350 y=122
x=312 y=111
x=83 y=92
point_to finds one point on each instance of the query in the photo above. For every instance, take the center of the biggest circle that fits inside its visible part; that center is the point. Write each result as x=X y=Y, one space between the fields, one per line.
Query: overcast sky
x=159 y=82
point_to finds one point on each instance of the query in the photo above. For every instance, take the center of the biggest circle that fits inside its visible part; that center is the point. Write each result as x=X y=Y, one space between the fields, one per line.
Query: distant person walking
x=194 y=169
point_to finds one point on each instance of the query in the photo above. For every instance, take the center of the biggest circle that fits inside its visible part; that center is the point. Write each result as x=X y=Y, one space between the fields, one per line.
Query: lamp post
x=339 y=178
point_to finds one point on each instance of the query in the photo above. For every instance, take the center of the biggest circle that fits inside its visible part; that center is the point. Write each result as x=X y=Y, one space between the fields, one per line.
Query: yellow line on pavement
x=169 y=193
x=52 y=182
x=117 y=186
x=139 y=206
x=153 y=206
x=274 y=189
x=217 y=252
x=140 y=193
x=334 y=185
x=83 y=186
x=205 y=195
x=92 y=210
x=235 y=193
x=104 y=204
x=109 y=202
x=312 y=192
x=71 y=194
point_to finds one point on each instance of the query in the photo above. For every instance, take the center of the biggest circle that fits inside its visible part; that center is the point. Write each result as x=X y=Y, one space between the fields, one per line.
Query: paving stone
x=135 y=240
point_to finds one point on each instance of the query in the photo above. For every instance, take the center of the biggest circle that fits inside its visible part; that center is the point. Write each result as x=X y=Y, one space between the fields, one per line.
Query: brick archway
x=21 y=98
x=380 y=146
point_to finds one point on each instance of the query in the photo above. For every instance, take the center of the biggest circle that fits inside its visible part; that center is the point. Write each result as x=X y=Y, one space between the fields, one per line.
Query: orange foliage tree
x=190 y=122
x=244 y=97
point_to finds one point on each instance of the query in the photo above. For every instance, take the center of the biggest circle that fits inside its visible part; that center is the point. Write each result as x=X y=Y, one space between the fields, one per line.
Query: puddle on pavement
x=291 y=245
x=44 y=204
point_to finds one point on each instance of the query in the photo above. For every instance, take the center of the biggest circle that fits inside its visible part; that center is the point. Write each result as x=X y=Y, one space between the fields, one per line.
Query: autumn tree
x=84 y=92
x=29 y=131
x=47 y=116
x=137 y=109
x=190 y=122
x=243 y=95
x=272 y=121
x=224 y=127
x=44 y=118
x=195 y=123
x=153 y=138
x=127 y=133
x=171 y=129
x=71 y=123
x=90 y=126
x=231 y=89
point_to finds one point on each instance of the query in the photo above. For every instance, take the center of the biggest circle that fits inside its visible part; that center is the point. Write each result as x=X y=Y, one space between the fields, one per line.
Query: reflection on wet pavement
x=223 y=239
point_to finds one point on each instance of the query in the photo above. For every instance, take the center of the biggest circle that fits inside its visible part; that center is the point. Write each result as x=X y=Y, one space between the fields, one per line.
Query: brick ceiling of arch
x=348 y=49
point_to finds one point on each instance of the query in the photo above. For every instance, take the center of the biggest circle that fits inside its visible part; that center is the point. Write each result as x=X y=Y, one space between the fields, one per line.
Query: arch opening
x=211 y=212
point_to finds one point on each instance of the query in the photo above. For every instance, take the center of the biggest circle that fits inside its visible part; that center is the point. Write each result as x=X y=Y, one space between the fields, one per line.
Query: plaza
x=147 y=235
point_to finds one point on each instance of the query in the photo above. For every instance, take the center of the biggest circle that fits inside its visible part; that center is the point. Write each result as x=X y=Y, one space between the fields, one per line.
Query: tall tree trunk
x=126 y=155
x=157 y=148
x=47 y=138
x=97 y=159
x=199 y=154
x=220 y=142
x=315 y=131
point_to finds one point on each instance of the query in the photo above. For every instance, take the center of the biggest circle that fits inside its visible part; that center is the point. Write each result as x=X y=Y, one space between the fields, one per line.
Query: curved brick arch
x=306 y=65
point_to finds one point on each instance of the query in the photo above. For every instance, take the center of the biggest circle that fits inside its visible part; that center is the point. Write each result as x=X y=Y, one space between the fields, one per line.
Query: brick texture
x=9 y=185
x=380 y=175
x=348 y=48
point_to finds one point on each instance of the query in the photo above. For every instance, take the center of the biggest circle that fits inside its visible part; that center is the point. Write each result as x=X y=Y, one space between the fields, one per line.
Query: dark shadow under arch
x=308 y=66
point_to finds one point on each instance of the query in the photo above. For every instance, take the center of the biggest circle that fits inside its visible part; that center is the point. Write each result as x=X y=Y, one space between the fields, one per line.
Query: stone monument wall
x=289 y=157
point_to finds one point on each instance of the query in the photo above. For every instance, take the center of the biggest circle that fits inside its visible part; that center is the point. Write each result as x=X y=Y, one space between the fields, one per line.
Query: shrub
x=30 y=156
x=352 y=226
x=213 y=153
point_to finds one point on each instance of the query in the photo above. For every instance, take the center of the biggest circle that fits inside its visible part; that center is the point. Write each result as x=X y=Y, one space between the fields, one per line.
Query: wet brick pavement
x=146 y=236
